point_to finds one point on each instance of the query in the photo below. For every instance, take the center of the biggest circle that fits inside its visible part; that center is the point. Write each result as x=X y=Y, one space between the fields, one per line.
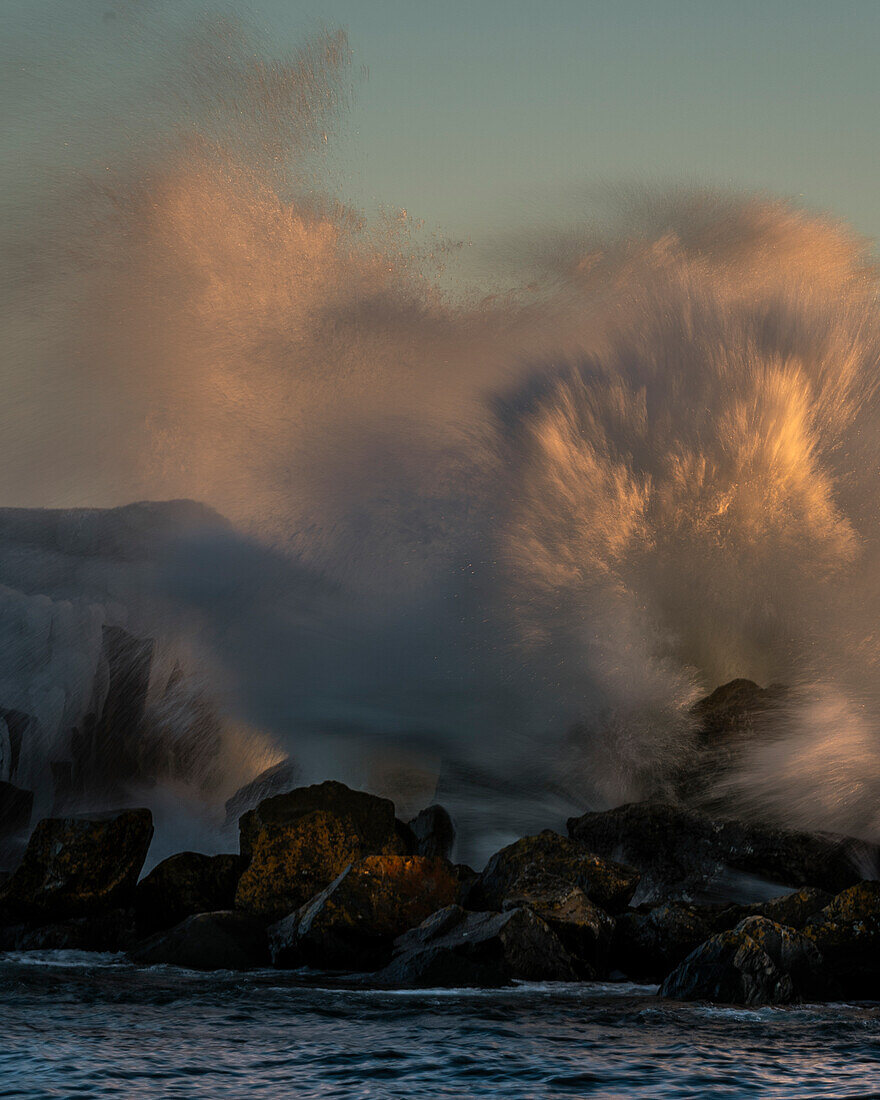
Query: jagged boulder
x=78 y=866
x=540 y=865
x=684 y=854
x=208 y=941
x=353 y=923
x=648 y=944
x=276 y=780
x=297 y=843
x=434 y=832
x=16 y=806
x=730 y=968
x=584 y=929
x=184 y=884
x=454 y=947
x=792 y=953
x=847 y=932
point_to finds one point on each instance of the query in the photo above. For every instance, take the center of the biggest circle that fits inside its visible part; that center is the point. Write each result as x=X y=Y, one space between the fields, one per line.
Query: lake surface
x=78 y=1025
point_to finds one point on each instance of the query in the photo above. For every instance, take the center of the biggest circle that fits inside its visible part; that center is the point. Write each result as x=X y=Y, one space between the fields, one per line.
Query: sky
x=476 y=115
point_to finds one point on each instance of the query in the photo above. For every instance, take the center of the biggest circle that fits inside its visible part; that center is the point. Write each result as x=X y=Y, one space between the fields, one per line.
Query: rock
x=683 y=853
x=847 y=932
x=208 y=941
x=793 y=910
x=16 y=806
x=298 y=843
x=583 y=928
x=455 y=947
x=434 y=832
x=792 y=953
x=535 y=865
x=278 y=779
x=184 y=884
x=730 y=968
x=78 y=866
x=112 y=931
x=353 y=923
x=647 y=945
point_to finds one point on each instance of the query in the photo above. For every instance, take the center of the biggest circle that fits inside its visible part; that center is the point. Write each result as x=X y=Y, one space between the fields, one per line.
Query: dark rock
x=434 y=832
x=112 y=931
x=455 y=947
x=792 y=953
x=16 y=806
x=278 y=779
x=730 y=968
x=208 y=941
x=793 y=910
x=544 y=863
x=297 y=843
x=583 y=928
x=682 y=853
x=184 y=884
x=353 y=923
x=647 y=945
x=78 y=866
x=847 y=932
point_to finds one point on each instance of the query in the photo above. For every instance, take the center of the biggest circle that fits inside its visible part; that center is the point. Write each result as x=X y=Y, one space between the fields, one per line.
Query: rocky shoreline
x=329 y=883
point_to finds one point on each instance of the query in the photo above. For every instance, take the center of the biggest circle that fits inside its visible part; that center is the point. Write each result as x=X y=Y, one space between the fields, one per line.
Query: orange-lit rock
x=353 y=923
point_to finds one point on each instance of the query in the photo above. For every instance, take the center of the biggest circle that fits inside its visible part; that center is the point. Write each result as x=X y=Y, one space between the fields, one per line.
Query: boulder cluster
x=329 y=880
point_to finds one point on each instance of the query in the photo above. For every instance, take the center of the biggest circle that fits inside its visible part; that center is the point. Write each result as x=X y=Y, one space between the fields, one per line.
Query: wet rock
x=77 y=866
x=792 y=953
x=729 y=968
x=684 y=854
x=184 y=884
x=648 y=945
x=455 y=947
x=278 y=779
x=434 y=832
x=847 y=932
x=543 y=864
x=112 y=931
x=16 y=806
x=297 y=843
x=208 y=941
x=354 y=922
x=20 y=728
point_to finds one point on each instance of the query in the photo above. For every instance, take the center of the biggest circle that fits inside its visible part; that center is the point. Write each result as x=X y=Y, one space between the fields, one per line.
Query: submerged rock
x=353 y=923
x=682 y=853
x=77 y=866
x=847 y=932
x=208 y=941
x=730 y=968
x=434 y=832
x=183 y=884
x=16 y=806
x=297 y=843
x=455 y=947
x=541 y=865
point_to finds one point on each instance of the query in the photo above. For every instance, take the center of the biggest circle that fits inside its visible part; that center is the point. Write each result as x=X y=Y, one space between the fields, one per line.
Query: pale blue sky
x=478 y=115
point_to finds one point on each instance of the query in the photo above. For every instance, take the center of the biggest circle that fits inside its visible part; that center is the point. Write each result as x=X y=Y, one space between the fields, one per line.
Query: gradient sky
x=476 y=115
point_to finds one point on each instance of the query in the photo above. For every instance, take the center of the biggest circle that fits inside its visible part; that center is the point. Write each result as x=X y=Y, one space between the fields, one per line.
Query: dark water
x=83 y=1026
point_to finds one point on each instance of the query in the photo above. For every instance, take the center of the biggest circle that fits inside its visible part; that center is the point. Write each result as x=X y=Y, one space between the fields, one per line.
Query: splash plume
x=517 y=536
